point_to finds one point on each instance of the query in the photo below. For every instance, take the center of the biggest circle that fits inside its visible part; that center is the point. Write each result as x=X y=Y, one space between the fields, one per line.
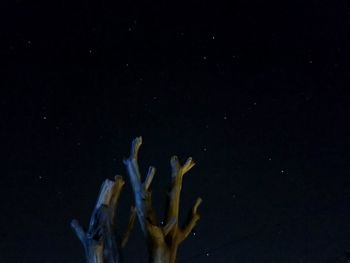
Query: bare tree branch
x=163 y=241
x=129 y=227
x=100 y=240
x=149 y=178
x=192 y=221
x=79 y=231
x=135 y=179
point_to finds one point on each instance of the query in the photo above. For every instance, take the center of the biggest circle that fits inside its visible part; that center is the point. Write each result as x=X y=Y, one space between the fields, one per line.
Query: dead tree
x=101 y=242
x=162 y=239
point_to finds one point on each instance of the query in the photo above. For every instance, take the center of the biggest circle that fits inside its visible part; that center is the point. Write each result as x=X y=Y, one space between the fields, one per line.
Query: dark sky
x=256 y=92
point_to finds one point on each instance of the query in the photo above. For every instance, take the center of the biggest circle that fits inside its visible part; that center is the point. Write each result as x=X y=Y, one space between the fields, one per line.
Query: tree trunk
x=101 y=243
x=162 y=240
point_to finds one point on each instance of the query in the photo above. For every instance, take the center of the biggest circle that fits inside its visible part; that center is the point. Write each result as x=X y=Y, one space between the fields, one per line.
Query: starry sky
x=256 y=92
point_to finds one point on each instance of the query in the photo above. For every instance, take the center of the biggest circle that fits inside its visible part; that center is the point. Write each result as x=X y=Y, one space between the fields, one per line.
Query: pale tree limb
x=192 y=221
x=100 y=241
x=175 y=234
x=117 y=188
x=135 y=179
x=177 y=174
x=79 y=231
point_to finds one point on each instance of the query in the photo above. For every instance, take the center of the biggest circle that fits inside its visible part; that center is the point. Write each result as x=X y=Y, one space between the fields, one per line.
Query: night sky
x=256 y=92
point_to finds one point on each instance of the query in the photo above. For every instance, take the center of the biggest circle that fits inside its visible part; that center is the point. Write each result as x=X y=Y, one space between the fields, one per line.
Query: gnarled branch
x=163 y=241
x=100 y=241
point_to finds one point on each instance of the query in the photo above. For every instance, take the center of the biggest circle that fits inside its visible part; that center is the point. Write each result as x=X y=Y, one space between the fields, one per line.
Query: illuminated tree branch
x=100 y=242
x=162 y=241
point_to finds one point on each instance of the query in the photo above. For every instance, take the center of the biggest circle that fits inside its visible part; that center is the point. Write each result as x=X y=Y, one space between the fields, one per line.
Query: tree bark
x=162 y=240
x=101 y=243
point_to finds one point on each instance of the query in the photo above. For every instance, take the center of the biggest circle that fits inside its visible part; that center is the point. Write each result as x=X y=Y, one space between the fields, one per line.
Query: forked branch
x=162 y=240
x=100 y=241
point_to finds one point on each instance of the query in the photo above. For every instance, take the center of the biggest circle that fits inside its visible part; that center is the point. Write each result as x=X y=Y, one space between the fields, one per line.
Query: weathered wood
x=162 y=240
x=101 y=243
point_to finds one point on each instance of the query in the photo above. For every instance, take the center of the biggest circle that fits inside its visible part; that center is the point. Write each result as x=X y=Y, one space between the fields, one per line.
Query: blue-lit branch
x=101 y=243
